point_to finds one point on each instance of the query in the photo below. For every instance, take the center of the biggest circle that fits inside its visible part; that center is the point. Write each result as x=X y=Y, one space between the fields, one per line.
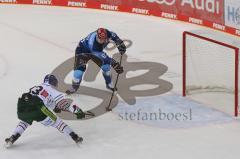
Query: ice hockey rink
x=35 y=40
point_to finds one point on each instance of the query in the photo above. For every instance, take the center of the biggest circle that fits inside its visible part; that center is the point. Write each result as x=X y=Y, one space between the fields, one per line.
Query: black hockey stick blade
x=90 y=114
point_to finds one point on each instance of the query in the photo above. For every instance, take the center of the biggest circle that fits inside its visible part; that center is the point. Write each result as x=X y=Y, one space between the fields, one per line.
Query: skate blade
x=79 y=144
x=8 y=145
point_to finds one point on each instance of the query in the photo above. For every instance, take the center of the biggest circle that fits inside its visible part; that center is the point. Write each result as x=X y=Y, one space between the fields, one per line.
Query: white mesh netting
x=210 y=67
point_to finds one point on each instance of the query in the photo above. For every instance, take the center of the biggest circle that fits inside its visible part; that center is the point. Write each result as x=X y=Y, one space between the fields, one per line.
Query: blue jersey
x=90 y=44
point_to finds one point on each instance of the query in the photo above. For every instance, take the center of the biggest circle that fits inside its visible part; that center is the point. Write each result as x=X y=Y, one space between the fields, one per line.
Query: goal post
x=210 y=63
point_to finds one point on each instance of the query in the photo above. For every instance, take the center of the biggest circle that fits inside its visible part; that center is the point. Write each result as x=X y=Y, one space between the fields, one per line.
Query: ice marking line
x=35 y=36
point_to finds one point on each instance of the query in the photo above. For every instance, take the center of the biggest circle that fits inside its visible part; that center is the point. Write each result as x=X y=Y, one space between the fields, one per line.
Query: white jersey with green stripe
x=49 y=95
x=52 y=98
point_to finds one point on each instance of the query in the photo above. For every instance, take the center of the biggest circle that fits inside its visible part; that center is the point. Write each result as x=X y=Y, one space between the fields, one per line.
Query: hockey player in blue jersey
x=92 y=48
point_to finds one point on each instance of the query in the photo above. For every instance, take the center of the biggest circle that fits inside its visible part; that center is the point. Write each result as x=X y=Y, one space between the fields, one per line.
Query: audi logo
x=167 y=2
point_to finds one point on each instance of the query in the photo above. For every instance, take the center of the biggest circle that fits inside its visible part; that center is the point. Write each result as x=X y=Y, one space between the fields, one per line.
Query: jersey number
x=104 y=56
x=36 y=90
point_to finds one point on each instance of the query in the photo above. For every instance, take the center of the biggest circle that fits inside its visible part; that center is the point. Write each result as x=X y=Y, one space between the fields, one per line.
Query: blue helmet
x=51 y=79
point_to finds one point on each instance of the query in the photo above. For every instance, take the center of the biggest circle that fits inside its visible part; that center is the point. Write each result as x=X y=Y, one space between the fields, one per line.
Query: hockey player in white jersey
x=36 y=105
x=55 y=100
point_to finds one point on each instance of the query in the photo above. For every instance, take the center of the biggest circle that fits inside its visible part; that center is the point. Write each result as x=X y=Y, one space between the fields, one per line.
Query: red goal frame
x=236 y=50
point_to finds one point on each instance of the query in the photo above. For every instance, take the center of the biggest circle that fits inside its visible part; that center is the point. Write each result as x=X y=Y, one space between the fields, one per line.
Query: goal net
x=211 y=64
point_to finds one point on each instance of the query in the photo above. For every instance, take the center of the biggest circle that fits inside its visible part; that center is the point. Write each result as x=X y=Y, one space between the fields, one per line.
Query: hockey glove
x=117 y=67
x=57 y=110
x=80 y=114
x=121 y=47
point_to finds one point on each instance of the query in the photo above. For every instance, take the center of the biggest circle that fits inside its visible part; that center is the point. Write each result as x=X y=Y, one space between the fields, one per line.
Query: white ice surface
x=171 y=111
x=35 y=39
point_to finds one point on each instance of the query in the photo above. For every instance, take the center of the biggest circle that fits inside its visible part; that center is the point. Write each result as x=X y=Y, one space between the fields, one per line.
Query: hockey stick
x=89 y=113
x=108 y=107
